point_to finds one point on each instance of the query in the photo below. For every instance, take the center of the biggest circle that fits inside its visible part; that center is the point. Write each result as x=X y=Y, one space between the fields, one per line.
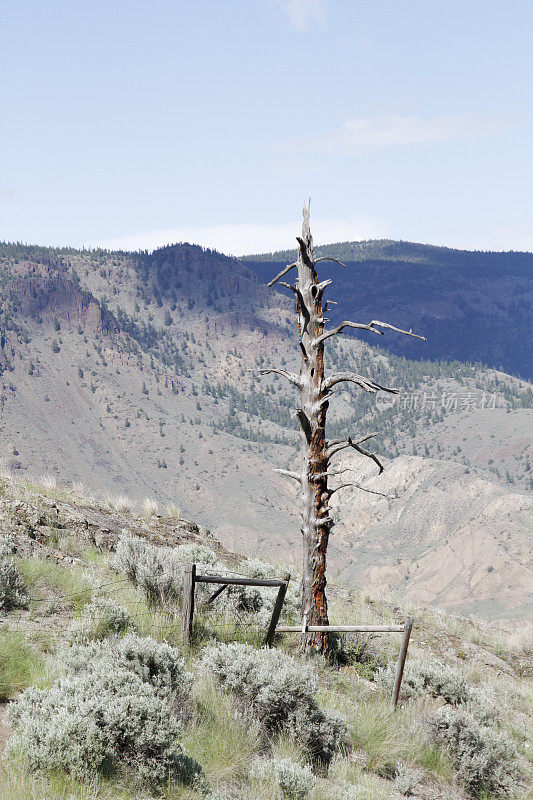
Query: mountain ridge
x=389 y=248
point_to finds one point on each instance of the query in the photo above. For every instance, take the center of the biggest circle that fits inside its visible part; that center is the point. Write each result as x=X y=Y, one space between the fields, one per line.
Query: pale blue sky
x=135 y=123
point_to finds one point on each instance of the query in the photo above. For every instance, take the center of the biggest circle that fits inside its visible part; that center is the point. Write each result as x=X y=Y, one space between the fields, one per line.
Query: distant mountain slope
x=455 y=538
x=136 y=373
x=471 y=306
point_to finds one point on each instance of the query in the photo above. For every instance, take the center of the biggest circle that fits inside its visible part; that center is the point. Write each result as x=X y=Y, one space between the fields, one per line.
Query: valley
x=136 y=374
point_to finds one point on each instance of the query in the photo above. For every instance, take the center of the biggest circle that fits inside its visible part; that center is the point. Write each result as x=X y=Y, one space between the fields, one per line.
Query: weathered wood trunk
x=316 y=452
x=312 y=415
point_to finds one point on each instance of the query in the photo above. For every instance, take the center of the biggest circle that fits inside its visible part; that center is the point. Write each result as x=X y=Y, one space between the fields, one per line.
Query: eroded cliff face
x=450 y=537
x=48 y=293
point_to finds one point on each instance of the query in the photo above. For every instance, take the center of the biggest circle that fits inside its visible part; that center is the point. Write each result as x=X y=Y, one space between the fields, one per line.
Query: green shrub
x=359 y=650
x=280 y=693
x=12 y=590
x=108 y=714
x=293 y=781
x=99 y=619
x=432 y=677
x=485 y=759
x=155 y=663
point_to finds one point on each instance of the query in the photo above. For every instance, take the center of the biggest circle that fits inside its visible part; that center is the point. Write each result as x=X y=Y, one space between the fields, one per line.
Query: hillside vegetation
x=134 y=373
x=121 y=708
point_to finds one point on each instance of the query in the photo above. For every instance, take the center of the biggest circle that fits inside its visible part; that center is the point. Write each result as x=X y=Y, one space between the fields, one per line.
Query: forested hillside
x=471 y=306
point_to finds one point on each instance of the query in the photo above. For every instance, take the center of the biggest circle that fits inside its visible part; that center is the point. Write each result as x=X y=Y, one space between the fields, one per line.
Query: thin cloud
x=361 y=135
x=245 y=238
x=303 y=14
x=518 y=237
x=6 y=193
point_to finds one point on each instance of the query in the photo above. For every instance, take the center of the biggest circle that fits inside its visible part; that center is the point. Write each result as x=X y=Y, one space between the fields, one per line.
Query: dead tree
x=315 y=391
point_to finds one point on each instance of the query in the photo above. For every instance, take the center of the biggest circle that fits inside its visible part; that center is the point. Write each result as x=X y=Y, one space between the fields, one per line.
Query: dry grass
x=223 y=743
x=48 y=483
x=20 y=664
x=150 y=508
x=172 y=511
x=52 y=586
x=17 y=784
x=120 y=503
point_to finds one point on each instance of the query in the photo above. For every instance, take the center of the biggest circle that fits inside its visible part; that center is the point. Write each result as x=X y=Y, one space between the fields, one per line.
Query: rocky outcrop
x=37 y=295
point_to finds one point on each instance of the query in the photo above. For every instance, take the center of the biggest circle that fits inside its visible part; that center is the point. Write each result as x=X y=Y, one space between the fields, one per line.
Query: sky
x=131 y=124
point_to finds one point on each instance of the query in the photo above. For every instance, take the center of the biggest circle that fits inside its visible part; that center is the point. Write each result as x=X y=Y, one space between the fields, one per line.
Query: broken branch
x=358 y=486
x=372 y=326
x=350 y=377
x=365 y=438
x=371 y=491
x=336 y=448
x=282 y=273
x=288 y=474
x=339 y=328
x=398 y=330
x=342 y=486
x=330 y=258
x=284 y=374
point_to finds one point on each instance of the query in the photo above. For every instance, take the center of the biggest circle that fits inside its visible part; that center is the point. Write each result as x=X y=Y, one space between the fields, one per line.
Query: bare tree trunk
x=316 y=452
x=312 y=416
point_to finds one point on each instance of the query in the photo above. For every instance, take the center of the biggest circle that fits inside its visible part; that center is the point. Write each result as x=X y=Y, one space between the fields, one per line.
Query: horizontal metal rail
x=341 y=628
x=238 y=581
x=405 y=629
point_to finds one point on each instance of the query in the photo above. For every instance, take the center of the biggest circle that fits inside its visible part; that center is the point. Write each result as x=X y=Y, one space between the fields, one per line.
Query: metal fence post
x=188 y=601
x=276 y=611
x=398 y=674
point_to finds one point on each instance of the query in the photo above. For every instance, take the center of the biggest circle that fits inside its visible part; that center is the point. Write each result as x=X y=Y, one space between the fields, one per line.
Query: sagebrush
x=109 y=713
x=155 y=663
x=280 y=693
x=292 y=780
x=485 y=758
x=406 y=780
x=99 y=619
x=159 y=572
x=428 y=677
